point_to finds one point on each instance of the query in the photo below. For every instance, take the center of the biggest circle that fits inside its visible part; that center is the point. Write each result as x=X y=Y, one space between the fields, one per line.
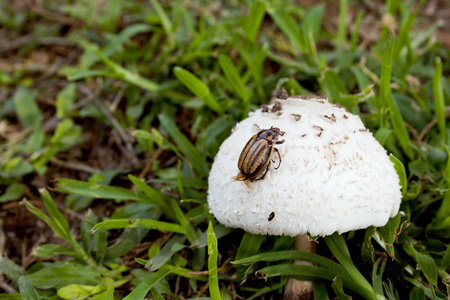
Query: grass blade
x=166 y=253
x=11 y=269
x=299 y=272
x=58 y=219
x=269 y=288
x=254 y=19
x=190 y=232
x=446 y=260
x=58 y=224
x=13 y=192
x=95 y=190
x=335 y=89
x=184 y=272
x=156 y=295
x=338 y=288
x=26 y=107
x=140 y=292
x=139 y=223
x=439 y=102
x=193 y=155
x=342 y=26
x=127 y=75
x=153 y=195
x=387 y=101
x=49 y=250
x=232 y=75
x=400 y=169
x=399 y=127
x=249 y=245
x=385 y=78
x=404 y=40
x=313 y=22
x=197 y=87
x=213 y=255
x=59 y=275
x=417 y=294
x=288 y=25
x=180 y=182
x=377 y=275
x=292 y=255
x=389 y=233
x=337 y=246
x=76 y=291
x=163 y=18
x=127 y=33
x=65 y=100
x=56 y=229
x=219 y=230
x=355 y=32
x=312 y=273
x=27 y=290
x=427 y=266
x=74 y=75
x=382 y=135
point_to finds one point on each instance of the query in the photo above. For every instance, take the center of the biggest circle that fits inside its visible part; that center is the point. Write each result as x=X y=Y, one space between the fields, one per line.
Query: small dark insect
x=255 y=158
x=271 y=216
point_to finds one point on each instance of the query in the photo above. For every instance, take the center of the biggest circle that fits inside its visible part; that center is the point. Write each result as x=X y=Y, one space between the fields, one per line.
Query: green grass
x=130 y=124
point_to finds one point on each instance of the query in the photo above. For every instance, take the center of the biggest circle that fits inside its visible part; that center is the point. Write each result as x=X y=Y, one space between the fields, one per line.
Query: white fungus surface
x=334 y=175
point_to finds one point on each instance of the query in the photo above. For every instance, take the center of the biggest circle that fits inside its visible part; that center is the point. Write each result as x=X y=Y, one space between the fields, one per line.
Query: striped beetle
x=256 y=156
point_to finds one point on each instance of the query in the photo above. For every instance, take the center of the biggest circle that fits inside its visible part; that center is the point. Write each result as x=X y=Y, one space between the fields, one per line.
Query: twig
x=29 y=259
x=57 y=17
x=202 y=290
x=149 y=162
x=8 y=289
x=2 y=239
x=74 y=166
x=125 y=137
x=30 y=38
x=55 y=67
x=412 y=130
x=117 y=99
x=430 y=125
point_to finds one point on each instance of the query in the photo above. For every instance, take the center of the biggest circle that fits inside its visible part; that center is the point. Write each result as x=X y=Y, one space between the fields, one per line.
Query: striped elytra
x=255 y=158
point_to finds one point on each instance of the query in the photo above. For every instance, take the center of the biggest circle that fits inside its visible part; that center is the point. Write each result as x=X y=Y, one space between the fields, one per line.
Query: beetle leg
x=280 y=142
x=264 y=175
x=279 y=156
x=240 y=177
x=247 y=183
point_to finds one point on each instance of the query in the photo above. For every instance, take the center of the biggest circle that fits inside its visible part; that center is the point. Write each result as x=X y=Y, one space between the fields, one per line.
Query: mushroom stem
x=297 y=289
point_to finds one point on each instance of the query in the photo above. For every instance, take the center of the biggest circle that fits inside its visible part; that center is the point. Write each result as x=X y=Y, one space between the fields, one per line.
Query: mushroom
x=332 y=175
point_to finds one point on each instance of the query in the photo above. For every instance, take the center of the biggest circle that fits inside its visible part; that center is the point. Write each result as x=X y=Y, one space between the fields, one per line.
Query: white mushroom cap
x=334 y=175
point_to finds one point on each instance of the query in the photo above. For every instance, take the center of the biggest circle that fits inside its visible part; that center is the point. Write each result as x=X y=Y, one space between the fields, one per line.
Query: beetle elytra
x=255 y=158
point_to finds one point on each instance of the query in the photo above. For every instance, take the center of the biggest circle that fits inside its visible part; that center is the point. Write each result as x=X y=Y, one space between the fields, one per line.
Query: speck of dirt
x=277 y=107
x=310 y=96
x=297 y=117
x=282 y=94
x=319 y=128
x=332 y=118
